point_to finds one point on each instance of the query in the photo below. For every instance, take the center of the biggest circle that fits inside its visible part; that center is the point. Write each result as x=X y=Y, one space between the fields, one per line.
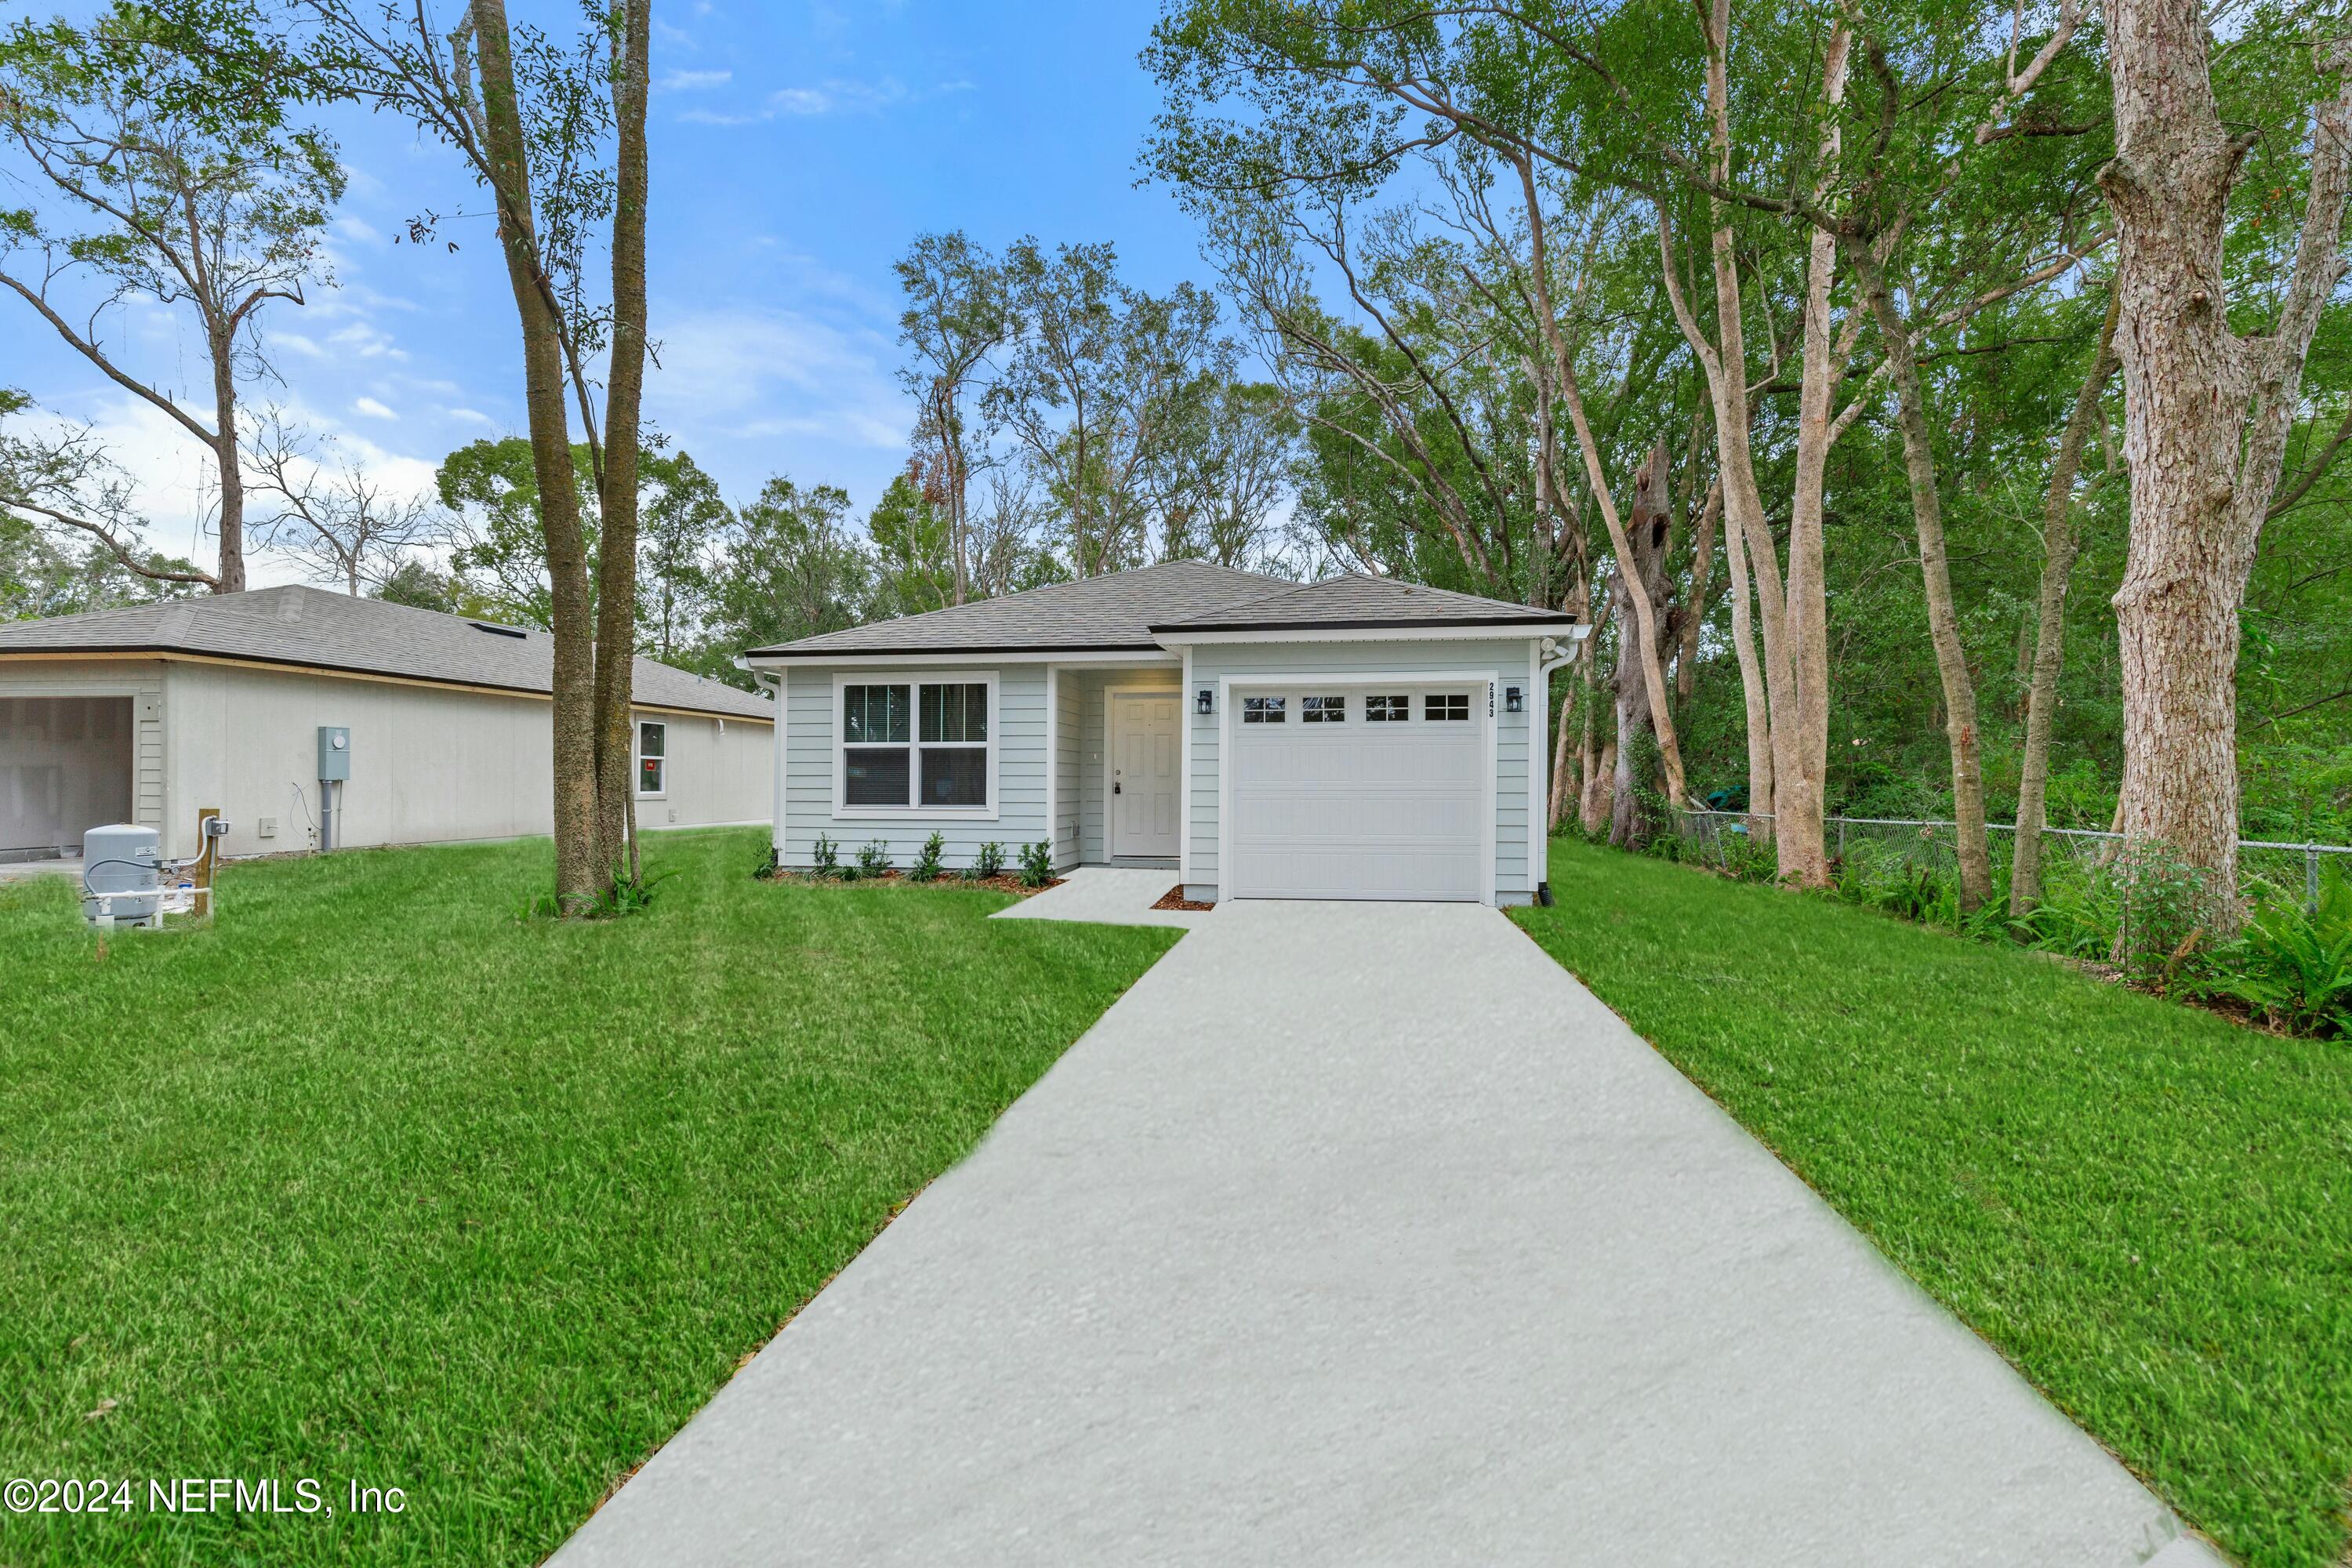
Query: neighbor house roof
x=1352 y=601
x=311 y=629
x=1128 y=611
x=1111 y=611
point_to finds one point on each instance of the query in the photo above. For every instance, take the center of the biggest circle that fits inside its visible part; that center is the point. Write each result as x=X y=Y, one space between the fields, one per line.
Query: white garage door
x=1352 y=791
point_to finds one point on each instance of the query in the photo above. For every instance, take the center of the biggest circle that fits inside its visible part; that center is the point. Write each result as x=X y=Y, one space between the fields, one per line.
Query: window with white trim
x=908 y=745
x=1444 y=705
x=653 y=758
x=1387 y=709
x=1322 y=710
x=1262 y=710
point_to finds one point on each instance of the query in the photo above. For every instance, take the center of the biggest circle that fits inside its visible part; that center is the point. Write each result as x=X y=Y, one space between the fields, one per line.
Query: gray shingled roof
x=1352 y=601
x=316 y=629
x=1113 y=611
x=1128 y=610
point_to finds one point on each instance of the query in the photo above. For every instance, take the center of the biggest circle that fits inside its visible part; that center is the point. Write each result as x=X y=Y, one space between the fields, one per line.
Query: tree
x=792 y=570
x=499 y=539
x=686 y=520
x=161 y=196
x=344 y=526
x=957 y=315
x=65 y=484
x=531 y=124
x=2208 y=409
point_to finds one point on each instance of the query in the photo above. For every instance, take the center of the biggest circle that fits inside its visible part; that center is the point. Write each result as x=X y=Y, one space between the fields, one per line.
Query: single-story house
x=232 y=703
x=1353 y=738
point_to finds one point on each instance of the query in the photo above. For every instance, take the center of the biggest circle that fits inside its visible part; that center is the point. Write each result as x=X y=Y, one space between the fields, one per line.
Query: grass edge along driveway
x=373 y=1181
x=2147 y=1209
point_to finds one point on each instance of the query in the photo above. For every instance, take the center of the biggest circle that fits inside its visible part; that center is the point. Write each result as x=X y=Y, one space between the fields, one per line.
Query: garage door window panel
x=1322 y=710
x=1387 y=709
x=1263 y=710
x=1442 y=706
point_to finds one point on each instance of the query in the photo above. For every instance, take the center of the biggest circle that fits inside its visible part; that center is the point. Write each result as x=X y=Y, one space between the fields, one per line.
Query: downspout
x=1552 y=658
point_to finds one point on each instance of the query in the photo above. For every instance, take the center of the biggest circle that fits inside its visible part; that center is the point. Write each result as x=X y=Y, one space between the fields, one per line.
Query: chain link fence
x=1719 y=837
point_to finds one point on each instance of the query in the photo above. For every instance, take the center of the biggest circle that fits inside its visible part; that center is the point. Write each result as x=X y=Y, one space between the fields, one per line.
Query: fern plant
x=2295 y=967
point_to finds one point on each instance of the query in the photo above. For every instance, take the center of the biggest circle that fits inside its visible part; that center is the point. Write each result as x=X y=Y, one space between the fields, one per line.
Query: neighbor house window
x=1262 y=710
x=1445 y=705
x=653 y=757
x=1322 y=710
x=916 y=745
x=1387 y=709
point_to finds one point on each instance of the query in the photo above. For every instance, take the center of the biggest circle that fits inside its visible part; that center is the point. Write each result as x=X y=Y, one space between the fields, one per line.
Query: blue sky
x=797 y=150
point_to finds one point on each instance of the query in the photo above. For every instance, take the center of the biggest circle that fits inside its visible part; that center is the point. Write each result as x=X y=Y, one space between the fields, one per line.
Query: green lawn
x=371 y=1180
x=2147 y=1209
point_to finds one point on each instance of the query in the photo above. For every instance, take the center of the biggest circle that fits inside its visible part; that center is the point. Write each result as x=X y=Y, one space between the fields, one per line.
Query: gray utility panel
x=65 y=768
x=334 y=753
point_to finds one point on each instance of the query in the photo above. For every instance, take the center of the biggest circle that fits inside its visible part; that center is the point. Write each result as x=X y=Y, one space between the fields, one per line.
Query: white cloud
x=834 y=95
x=471 y=416
x=372 y=409
x=358 y=230
x=694 y=81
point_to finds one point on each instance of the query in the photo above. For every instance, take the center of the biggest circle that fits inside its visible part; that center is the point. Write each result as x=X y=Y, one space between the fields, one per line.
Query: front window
x=915 y=744
x=653 y=758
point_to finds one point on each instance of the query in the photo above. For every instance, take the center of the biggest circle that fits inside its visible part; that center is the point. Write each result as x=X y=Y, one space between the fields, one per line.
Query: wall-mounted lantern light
x=1205 y=701
x=1512 y=701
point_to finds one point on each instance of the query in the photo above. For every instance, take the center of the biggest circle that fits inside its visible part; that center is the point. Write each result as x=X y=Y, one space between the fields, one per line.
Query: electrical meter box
x=334 y=753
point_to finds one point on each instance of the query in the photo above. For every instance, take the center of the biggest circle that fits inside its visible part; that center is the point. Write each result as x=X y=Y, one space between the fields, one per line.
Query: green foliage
x=628 y=895
x=1037 y=863
x=426 y=1267
x=2139 y=1205
x=987 y=864
x=928 y=863
x=2293 y=966
x=824 y=856
x=873 y=858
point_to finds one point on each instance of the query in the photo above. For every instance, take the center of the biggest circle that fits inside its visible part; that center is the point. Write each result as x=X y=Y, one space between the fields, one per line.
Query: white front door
x=1143 y=772
x=1342 y=792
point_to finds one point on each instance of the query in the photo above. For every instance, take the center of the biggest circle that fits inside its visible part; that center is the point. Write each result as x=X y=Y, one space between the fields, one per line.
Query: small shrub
x=925 y=866
x=824 y=856
x=627 y=896
x=873 y=858
x=2165 y=907
x=2292 y=967
x=987 y=864
x=1037 y=863
x=770 y=864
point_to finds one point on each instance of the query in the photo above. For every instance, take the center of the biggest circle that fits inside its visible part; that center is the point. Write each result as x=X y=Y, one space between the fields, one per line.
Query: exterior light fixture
x=1205 y=701
x=1512 y=701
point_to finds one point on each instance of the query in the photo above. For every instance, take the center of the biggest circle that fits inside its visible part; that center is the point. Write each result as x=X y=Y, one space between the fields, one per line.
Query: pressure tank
x=121 y=872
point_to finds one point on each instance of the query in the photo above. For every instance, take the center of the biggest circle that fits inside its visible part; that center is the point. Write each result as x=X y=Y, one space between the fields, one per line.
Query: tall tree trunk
x=1599 y=779
x=2206 y=415
x=573 y=682
x=1762 y=785
x=1935 y=571
x=1641 y=574
x=616 y=559
x=1702 y=570
x=2059 y=550
x=224 y=456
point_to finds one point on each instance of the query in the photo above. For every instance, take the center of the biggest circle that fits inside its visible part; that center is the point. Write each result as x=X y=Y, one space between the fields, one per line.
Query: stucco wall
x=142 y=681
x=428 y=764
x=1511 y=661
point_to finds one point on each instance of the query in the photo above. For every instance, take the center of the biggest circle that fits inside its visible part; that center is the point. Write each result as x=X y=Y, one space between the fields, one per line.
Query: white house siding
x=429 y=764
x=811 y=723
x=1508 y=657
x=142 y=681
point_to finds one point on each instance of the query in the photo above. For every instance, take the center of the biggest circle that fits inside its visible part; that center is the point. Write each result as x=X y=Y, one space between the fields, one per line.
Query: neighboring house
x=151 y=714
x=1355 y=738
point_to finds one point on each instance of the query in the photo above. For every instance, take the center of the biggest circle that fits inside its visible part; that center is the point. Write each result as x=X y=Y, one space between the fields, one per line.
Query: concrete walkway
x=1363 y=1234
x=1105 y=895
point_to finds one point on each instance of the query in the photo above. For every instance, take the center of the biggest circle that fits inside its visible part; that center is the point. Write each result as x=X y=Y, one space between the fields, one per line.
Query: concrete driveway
x=1363 y=1234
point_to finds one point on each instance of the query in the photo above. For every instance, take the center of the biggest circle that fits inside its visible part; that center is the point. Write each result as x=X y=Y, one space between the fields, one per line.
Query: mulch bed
x=1004 y=882
x=1174 y=899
